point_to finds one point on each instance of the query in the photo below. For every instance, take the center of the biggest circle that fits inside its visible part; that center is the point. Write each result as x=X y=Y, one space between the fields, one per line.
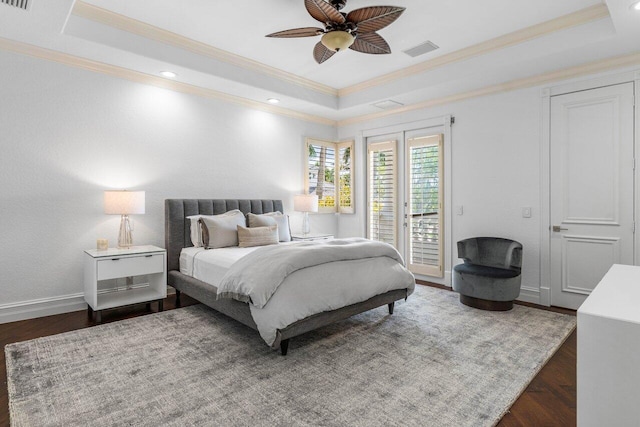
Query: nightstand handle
x=115 y=259
x=148 y=256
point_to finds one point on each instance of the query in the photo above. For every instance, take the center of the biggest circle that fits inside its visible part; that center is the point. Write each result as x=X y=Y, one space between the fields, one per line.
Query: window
x=329 y=174
x=345 y=184
x=382 y=163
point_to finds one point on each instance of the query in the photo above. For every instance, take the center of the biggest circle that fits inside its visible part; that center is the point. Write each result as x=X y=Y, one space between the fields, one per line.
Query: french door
x=405 y=187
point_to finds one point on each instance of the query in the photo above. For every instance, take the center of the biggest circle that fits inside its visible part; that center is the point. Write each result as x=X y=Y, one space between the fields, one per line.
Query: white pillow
x=220 y=231
x=272 y=218
x=196 y=230
x=257 y=236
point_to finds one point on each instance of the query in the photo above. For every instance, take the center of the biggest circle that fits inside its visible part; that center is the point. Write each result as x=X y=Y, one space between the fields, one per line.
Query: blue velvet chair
x=489 y=279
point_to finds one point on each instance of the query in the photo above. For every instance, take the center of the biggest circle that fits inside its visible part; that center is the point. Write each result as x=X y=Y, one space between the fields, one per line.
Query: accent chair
x=490 y=277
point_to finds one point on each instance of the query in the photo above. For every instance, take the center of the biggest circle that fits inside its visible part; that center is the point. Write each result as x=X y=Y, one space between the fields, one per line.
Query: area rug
x=434 y=362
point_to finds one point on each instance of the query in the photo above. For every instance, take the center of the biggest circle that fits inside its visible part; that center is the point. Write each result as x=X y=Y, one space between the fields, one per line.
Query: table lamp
x=124 y=203
x=305 y=203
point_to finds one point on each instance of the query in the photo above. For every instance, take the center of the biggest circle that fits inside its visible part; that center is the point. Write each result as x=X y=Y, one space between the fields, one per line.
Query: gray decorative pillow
x=272 y=218
x=257 y=236
x=220 y=231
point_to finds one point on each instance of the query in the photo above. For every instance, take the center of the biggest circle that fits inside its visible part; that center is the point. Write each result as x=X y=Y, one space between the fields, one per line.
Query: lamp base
x=125 y=238
x=306 y=227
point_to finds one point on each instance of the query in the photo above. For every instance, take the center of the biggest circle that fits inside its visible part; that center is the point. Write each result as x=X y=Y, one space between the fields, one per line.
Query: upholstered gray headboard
x=177 y=226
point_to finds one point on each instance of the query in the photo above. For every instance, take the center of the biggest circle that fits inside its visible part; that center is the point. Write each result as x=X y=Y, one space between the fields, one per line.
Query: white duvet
x=305 y=290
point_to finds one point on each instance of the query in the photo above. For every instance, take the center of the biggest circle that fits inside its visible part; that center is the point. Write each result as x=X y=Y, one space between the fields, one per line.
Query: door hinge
x=453 y=120
x=633 y=227
x=634 y=164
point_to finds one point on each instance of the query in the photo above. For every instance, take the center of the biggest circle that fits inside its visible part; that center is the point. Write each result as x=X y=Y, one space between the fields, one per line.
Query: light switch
x=459 y=210
x=526 y=212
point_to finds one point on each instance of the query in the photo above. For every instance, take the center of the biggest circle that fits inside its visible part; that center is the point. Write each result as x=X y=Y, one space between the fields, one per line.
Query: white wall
x=496 y=171
x=67 y=135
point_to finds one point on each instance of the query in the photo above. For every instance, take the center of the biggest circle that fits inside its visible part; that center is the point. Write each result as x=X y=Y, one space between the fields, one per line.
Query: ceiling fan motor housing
x=338 y=4
x=347 y=26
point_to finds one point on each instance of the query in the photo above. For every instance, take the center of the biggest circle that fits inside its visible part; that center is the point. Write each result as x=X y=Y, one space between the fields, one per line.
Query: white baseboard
x=529 y=294
x=41 y=307
x=46 y=307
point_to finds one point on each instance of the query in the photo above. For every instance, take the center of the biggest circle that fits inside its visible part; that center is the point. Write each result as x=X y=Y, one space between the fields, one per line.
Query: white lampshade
x=123 y=202
x=337 y=40
x=305 y=203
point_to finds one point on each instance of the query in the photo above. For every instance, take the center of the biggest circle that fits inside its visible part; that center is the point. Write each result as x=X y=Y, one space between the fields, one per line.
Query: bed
x=177 y=238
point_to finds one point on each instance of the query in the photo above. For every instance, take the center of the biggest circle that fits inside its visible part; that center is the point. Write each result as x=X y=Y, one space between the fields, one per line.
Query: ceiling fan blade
x=371 y=43
x=321 y=53
x=323 y=11
x=297 y=32
x=374 y=18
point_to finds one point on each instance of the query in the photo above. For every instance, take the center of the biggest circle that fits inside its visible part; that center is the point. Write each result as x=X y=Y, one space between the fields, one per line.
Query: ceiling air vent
x=421 y=49
x=22 y=4
x=388 y=104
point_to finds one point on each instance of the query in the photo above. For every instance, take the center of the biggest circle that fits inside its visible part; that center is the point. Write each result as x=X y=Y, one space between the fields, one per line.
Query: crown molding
x=133 y=26
x=566 y=73
x=138 y=77
x=580 y=17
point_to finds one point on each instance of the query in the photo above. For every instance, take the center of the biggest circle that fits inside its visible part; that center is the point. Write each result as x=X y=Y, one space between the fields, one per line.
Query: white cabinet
x=141 y=268
x=609 y=351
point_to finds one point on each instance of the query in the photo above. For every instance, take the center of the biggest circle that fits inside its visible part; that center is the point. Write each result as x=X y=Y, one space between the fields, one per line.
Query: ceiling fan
x=355 y=30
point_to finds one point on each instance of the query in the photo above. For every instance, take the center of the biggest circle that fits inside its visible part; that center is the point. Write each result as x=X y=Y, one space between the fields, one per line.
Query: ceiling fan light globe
x=337 y=40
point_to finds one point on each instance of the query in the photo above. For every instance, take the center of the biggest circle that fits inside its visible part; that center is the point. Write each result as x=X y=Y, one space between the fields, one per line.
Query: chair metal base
x=483 y=304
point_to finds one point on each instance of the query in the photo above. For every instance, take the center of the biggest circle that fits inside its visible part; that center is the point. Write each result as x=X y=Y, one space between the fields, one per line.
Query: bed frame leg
x=284 y=347
x=391 y=305
x=177 y=298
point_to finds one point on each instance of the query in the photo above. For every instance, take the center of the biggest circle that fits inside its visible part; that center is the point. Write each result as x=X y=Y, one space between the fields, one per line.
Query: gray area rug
x=434 y=362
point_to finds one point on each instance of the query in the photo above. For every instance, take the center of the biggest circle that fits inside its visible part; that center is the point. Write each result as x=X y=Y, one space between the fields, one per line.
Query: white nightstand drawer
x=113 y=268
x=311 y=237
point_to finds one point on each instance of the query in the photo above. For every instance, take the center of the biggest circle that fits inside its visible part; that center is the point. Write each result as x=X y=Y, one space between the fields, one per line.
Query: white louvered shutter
x=382 y=188
x=424 y=199
x=321 y=173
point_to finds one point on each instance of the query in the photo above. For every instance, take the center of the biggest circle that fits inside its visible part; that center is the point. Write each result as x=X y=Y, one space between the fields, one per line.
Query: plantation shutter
x=382 y=187
x=345 y=181
x=321 y=173
x=424 y=198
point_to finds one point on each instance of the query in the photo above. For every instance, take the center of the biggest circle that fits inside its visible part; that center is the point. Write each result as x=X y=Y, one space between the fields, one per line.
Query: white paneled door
x=592 y=175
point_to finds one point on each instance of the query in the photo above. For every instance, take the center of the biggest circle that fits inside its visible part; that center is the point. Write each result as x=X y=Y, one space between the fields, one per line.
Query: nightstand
x=309 y=237
x=142 y=268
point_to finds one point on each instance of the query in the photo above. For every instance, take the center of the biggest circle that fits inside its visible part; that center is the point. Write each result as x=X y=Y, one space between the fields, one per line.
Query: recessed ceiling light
x=168 y=74
x=273 y=100
x=635 y=5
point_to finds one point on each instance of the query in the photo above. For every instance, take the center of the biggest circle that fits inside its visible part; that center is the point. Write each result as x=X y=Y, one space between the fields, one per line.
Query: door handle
x=557 y=228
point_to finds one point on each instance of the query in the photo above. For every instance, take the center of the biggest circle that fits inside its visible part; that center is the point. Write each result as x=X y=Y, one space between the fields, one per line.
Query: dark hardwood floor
x=550 y=399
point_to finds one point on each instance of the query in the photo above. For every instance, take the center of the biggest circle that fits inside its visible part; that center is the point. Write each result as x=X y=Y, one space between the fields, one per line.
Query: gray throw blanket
x=256 y=277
